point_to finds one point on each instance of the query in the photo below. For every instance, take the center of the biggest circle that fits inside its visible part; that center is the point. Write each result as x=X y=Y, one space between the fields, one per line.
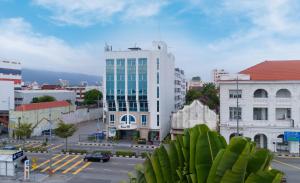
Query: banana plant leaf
x=165 y=164
x=157 y=167
x=272 y=176
x=149 y=172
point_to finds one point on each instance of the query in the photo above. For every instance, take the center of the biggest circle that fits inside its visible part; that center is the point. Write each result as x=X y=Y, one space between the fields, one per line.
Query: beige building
x=42 y=116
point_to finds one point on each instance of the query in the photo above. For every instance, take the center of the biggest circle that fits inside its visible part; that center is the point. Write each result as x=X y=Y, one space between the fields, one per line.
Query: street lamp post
x=237 y=106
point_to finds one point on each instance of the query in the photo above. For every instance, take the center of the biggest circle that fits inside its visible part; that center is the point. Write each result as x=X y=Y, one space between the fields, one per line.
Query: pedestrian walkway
x=62 y=164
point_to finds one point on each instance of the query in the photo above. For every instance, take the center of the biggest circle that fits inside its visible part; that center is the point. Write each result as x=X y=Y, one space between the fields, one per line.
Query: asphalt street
x=290 y=166
x=71 y=169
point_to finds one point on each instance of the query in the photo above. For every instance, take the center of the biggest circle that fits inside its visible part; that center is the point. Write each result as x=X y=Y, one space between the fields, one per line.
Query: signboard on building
x=17 y=155
x=292 y=136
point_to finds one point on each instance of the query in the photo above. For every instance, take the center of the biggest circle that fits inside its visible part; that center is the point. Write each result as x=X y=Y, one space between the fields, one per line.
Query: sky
x=69 y=35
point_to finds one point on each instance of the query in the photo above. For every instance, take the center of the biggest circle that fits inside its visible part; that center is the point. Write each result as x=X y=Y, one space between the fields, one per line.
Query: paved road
x=290 y=166
x=71 y=169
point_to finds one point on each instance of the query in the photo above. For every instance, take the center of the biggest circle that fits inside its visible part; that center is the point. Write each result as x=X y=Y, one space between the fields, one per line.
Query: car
x=97 y=157
x=9 y=148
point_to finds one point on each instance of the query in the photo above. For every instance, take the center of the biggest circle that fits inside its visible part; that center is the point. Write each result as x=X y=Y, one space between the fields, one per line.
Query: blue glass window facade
x=110 y=84
x=121 y=84
x=131 y=84
x=142 y=75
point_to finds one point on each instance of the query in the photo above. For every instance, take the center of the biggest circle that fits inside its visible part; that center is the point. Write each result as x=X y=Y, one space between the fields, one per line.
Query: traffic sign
x=292 y=136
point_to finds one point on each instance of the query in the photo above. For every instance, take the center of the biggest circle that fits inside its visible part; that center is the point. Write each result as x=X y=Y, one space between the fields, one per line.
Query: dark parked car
x=97 y=157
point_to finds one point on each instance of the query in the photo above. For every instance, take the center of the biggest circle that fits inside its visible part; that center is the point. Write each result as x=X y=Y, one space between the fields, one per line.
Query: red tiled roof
x=42 y=105
x=274 y=70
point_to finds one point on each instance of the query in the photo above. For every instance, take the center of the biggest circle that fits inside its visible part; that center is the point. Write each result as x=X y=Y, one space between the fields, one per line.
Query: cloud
x=85 y=13
x=21 y=43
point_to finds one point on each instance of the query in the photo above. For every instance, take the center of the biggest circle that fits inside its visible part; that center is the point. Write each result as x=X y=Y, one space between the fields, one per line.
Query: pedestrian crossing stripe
x=66 y=163
x=55 y=147
x=81 y=168
x=45 y=162
x=55 y=163
x=71 y=167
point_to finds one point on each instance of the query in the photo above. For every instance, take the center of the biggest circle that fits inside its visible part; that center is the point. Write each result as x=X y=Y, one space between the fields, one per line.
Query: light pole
x=237 y=106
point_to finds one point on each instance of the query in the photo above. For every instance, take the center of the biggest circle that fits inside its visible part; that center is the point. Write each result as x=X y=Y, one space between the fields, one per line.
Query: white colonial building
x=191 y=115
x=265 y=101
x=139 y=91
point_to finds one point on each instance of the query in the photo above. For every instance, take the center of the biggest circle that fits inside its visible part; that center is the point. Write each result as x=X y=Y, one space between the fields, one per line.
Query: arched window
x=128 y=118
x=260 y=93
x=131 y=119
x=124 y=119
x=283 y=93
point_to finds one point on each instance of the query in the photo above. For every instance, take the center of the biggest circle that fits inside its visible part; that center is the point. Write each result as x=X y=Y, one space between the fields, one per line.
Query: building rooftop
x=44 y=91
x=42 y=105
x=274 y=70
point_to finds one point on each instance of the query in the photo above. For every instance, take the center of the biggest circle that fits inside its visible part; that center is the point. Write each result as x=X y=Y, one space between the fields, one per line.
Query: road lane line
x=66 y=163
x=286 y=164
x=55 y=163
x=81 y=168
x=71 y=167
x=53 y=148
x=45 y=162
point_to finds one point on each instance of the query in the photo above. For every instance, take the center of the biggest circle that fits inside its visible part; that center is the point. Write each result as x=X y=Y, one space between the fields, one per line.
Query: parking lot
x=72 y=168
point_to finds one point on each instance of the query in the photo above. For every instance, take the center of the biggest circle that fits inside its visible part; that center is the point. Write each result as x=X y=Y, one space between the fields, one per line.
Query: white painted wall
x=249 y=127
x=7 y=96
x=193 y=114
x=81 y=115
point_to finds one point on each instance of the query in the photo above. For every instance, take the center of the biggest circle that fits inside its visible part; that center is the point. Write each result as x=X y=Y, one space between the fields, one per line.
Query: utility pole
x=98 y=119
x=50 y=141
x=237 y=106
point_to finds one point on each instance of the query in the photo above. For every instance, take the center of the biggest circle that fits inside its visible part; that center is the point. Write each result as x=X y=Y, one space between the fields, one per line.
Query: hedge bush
x=36 y=149
x=125 y=153
x=76 y=151
x=103 y=152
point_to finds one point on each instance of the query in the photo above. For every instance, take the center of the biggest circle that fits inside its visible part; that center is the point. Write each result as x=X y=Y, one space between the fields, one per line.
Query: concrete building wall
x=39 y=118
x=81 y=115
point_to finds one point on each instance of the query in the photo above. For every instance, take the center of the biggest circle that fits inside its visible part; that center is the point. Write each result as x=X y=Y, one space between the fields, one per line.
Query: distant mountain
x=51 y=77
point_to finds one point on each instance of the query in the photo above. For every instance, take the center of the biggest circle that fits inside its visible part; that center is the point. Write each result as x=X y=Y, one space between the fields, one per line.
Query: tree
x=203 y=156
x=45 y=98
x=23 y=131
x=92 y=97
x=64 y=130
x=208 y=95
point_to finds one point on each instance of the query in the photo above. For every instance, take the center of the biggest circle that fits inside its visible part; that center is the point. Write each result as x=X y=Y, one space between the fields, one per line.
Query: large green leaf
x=149 y=172
x=208 y=146
x=259 y=160
x=272 y=176
x=230 y=156
x=157 y=167
x=165 y=164
x=238 y=172
x=194 y=134
x=173 y=157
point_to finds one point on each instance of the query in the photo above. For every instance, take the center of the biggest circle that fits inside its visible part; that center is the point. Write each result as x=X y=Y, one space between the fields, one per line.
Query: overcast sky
x=69 y=35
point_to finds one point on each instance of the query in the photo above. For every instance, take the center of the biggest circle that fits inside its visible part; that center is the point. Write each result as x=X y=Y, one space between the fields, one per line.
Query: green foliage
x=45 y=98
x=125 y=153
x=36 y=149
x=203 y=156
x=208 y=95
x=23 y=130
x=92 y=96
x=64 y=130
x=76 y=151
x=103 y=152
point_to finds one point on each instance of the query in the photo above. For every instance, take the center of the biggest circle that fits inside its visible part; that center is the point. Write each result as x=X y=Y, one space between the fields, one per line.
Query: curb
x=94 y=144
x=287 y=155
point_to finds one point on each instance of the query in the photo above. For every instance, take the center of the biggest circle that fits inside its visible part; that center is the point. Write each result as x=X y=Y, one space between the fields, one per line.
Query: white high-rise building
x=11 y=71
x=139 y=91
x=263 y=103
x=217 y=74
x=180 y=89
